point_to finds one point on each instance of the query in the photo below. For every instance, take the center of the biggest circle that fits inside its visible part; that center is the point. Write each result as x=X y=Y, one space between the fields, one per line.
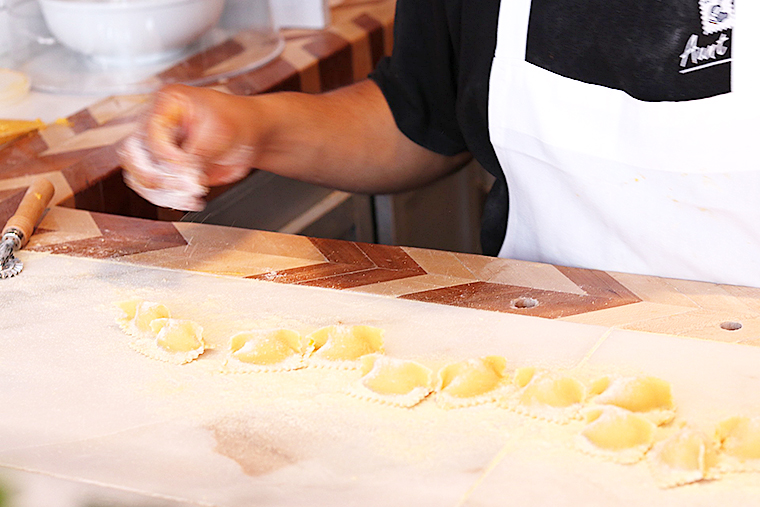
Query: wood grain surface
x=78 y=154
x=633 y=302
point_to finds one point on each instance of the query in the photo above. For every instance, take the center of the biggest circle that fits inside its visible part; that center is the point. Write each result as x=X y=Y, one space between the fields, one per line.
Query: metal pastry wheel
x=19 y=228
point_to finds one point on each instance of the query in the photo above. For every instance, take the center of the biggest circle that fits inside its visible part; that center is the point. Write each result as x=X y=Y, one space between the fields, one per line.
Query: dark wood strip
x=482 y=295
x=513 y=299
x=278 y=75
x=9 y=201
x=598 y=283
x=50 y=163
x=360 y=278
x=128 y=117
x=350 y=264
x=309 y=273
x=82 y=121
x=138 y=229
x=20 y=152
x=335 y=60
x=95 y=165
x=120 y=236
x=291 y=83
x=390 y=257
x=195 y=66
x=112 y=195
x=345 y=252
x=375 y=33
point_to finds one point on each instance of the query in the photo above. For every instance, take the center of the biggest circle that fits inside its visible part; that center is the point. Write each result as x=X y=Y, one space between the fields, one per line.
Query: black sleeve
x=436 y=84
x=419 y=79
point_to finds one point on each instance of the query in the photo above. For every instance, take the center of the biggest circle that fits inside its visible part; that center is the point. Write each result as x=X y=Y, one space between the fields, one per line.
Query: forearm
x=345 y=139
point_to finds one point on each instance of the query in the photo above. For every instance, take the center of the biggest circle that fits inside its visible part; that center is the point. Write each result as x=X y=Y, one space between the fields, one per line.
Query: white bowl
x=130 y=32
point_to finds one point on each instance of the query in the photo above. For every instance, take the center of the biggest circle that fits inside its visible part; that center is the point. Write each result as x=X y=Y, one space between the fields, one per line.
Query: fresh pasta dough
x=550 y=396
x=266 y=350
x=147 y=312
x=393 y=381
x=599 y=385
x=139 y=314
x=157 y=335
x=616 y=434
x=642 y=394
x=739 y=439
x=176 y=341
x=177 y=335
x=471 y=381
x=621 y=413
x=685 y=457
x=522 y=376
x=342 y=345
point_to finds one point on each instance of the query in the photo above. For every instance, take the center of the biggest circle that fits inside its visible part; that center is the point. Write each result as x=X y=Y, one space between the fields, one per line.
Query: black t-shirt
x=437 y=80
x=436 y=84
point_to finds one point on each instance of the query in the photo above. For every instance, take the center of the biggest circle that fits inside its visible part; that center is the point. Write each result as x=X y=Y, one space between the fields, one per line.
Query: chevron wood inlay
x=119 y=237
x=658 y=305
x=350 y=265
x=82 y=120
x=523 y=300
x=9 y=201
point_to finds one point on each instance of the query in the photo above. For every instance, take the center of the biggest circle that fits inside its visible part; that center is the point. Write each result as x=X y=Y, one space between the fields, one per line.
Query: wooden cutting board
x=80 y=405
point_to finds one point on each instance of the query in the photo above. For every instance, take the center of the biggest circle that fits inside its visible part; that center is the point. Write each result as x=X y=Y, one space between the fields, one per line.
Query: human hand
x=190 y=139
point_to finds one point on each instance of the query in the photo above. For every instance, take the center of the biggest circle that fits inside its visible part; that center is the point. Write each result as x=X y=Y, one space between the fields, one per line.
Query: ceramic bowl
x=128 y=32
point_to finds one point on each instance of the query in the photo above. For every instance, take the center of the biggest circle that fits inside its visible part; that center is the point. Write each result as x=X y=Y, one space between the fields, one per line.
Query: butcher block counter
x=88 y=420
x=77 y=151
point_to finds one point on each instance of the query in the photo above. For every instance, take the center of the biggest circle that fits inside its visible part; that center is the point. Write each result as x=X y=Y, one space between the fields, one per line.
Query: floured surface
x=79 y=403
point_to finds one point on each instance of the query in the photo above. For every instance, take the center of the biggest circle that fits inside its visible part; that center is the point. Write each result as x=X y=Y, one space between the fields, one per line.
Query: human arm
x=345 y=139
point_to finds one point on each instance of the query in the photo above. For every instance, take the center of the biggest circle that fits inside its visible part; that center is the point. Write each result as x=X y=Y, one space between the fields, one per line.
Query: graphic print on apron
x=590 y=41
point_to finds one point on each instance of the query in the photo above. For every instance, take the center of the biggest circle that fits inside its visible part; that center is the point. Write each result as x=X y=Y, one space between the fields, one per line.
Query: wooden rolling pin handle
x=36 y=199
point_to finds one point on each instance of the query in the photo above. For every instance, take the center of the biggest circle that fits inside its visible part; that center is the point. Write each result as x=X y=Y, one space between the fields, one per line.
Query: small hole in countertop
x=524 y=302
x=730 y=325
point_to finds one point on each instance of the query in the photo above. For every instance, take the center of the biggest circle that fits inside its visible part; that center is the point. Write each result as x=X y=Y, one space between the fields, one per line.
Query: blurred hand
x=190 y=139
x=194 y=138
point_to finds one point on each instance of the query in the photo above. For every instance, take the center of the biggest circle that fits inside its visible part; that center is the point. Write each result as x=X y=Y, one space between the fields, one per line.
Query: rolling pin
x=19 y=228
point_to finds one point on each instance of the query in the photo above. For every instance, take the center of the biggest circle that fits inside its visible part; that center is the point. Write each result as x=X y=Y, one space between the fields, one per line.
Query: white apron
x=598 y=179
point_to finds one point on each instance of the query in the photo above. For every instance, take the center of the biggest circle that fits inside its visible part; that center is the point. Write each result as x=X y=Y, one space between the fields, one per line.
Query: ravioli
x=393 y=381
x=340 y=346
x=599 y=385
x=642 y=394
x=522 y=376
x=157 y=335
x=686 y=457
x=139 y=314
x=471 y=382
x=616 y=434
x=177 y=335
x=739 y=439
x=550 y=396
x=266 y=350
x=177 y=341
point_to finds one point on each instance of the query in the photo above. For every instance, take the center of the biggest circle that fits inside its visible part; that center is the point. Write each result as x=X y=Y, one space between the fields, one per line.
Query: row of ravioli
x=159 y=336
x=625 y=419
